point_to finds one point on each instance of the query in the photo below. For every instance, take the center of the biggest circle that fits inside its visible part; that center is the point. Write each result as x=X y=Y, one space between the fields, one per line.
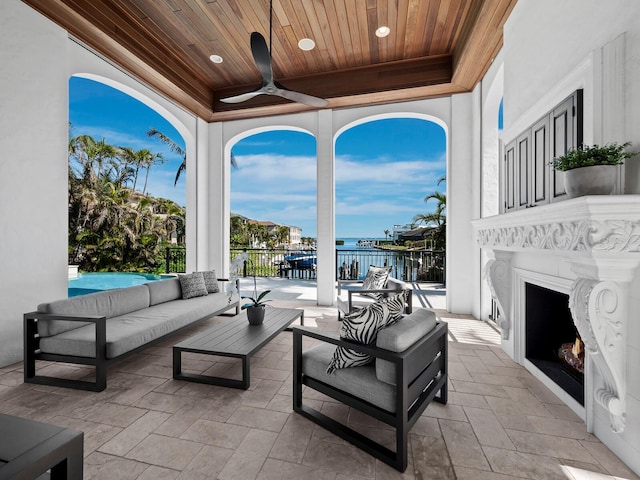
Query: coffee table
x=29 y=449
x=234 y=338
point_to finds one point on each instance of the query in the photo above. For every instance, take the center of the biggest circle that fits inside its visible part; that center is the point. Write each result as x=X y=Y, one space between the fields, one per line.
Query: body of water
x=94 y=282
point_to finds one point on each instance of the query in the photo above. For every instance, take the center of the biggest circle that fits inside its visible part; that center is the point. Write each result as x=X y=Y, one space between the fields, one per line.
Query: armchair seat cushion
x=360 y=382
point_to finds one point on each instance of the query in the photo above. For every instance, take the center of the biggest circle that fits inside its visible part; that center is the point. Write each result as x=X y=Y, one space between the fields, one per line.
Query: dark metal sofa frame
x=421 y=373
x=100 y=362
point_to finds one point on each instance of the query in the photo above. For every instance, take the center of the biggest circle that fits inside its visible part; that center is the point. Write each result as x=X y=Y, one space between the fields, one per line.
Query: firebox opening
x=552 y=343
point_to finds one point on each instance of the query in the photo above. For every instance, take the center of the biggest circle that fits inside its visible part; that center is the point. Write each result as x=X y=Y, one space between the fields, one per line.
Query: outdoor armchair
x=351 y=295
x=410 y=370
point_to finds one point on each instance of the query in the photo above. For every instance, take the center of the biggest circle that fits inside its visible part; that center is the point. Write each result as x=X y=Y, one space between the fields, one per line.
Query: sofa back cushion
x=109 y=303
x=400 y=336
x=164 y=291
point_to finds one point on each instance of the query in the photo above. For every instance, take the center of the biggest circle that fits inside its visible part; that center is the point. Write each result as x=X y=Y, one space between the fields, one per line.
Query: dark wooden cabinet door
x=566 y=129
x=523 y=161
x=561 y=119
x=540 y=167
x=509 y=176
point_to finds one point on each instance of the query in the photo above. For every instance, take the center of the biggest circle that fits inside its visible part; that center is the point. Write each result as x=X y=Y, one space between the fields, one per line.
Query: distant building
x=398 y=230
x=295 y=233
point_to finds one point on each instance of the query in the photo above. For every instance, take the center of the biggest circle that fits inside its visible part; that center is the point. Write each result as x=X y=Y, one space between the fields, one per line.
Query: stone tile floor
x=500 y=423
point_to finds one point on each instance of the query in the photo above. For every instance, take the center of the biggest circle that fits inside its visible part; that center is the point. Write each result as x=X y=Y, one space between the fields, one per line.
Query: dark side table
x=28 y=449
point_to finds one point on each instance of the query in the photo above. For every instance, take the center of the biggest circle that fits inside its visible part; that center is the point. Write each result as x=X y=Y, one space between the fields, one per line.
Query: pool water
x=94 y=282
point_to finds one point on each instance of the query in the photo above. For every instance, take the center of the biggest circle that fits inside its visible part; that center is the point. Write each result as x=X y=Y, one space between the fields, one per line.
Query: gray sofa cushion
x=164 y=291
x=400 y=336
x=192 y=285
x=129 y=331
x=211 y=281
x=360 y=381
x=109 y=303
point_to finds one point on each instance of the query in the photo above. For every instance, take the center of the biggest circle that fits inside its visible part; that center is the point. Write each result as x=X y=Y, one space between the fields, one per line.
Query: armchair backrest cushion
x=375 y=279
x=362 y=326
x=400 y=336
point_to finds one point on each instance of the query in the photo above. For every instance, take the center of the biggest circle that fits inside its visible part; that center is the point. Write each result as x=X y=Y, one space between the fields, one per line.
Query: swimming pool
x=94 y=282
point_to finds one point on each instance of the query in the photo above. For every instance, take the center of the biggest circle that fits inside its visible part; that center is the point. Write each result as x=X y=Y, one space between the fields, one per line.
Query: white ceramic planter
x=595 y=180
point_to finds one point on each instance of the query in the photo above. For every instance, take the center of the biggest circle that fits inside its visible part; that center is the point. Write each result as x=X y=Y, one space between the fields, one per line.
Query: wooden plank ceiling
x=436 y=47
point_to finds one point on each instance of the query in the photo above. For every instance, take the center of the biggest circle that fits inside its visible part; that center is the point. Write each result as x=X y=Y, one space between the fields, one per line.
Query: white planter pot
x=595 y=180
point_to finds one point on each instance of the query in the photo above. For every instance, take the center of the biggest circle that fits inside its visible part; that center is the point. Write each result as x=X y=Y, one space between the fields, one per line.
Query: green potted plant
x=257 y=304
x=591 y=170
x=255 y=307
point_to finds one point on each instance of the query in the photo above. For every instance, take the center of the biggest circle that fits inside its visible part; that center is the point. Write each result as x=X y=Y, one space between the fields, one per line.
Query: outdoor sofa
x=100 y=328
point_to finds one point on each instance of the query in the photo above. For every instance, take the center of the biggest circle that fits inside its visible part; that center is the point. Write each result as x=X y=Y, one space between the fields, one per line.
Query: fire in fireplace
x=552 y=343
x=572 y=354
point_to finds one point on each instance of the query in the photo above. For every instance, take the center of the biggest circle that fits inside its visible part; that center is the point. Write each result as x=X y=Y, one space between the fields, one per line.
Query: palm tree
x=149 y=159
x=436 y=219
x=386 y=234
x=175 y=148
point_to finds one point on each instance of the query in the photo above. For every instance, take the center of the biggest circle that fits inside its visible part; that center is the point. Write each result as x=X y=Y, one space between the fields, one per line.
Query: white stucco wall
x=33 y=173
x=585 y=36
x=575 y=31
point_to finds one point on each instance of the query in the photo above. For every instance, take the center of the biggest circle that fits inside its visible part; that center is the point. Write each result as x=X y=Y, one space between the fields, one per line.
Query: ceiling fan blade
x=261 y=56
x=242 y=97
x=301 y=98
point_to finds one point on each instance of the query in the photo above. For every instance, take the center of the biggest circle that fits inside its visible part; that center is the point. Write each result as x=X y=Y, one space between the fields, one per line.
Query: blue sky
x=384 y=168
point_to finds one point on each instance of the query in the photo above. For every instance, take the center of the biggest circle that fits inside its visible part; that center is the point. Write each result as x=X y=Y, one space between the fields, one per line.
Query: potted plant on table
x=591 y=170
x=256 y=306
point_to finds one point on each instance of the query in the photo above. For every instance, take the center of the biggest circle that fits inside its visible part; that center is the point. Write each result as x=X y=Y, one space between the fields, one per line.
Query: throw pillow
x=211 y=281
x=192 y=285
x=376 y=279
x=395 y=304
x=362 y=326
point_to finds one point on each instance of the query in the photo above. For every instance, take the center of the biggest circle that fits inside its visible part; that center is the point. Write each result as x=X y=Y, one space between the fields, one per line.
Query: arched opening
x=386 y=167
x=273 y=197
x=127 y=195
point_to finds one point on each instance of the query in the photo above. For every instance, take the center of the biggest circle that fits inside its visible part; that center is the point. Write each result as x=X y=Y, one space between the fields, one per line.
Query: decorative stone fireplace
x=587 y=249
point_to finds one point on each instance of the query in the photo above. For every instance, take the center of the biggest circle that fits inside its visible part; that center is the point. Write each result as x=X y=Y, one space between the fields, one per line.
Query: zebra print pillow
x=376 y=279
x=362 y=326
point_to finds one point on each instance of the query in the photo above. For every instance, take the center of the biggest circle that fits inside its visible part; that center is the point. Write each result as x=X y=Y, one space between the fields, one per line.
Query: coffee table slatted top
x=236 y=337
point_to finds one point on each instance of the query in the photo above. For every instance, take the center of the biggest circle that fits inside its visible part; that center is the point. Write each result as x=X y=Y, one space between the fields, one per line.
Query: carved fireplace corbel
x=599 y=307
x=497 y=272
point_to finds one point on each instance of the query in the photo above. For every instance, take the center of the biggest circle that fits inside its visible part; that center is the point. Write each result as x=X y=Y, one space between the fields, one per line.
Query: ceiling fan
x=262 y=57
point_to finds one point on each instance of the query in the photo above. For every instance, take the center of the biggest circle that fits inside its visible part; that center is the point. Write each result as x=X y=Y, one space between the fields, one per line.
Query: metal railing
x=415 y=266
x=175 y=259
x=412 y=266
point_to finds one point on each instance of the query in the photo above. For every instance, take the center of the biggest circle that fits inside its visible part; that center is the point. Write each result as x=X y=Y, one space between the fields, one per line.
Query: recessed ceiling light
x=306 y=44
x=215 y=58
x=383 y=31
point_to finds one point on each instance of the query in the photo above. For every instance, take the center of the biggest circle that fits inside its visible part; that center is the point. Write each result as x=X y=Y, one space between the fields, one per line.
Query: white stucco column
x=463 y=205
x=218 y=188
x=326 y=208
x=197 y=257
x=33 y=169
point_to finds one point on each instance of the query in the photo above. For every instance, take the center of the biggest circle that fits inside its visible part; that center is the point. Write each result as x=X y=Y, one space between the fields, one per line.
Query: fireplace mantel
x=591 y=226
x=598 y=237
